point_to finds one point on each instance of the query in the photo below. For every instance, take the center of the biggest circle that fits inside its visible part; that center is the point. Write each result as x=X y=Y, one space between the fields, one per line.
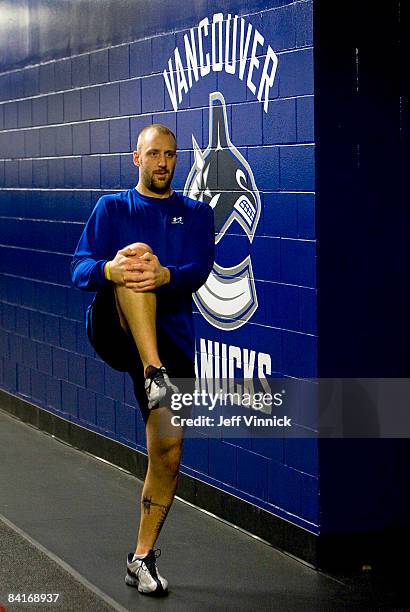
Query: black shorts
x=118 y=349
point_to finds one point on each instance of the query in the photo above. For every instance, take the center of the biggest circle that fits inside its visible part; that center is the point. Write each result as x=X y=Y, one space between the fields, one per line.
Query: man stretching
x=145 y=251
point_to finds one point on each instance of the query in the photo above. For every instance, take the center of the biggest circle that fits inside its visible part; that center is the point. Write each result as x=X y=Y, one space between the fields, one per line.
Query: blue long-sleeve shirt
x=180 y=232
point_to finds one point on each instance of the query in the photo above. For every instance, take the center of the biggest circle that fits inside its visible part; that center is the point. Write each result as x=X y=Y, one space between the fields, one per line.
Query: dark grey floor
x=84 y=512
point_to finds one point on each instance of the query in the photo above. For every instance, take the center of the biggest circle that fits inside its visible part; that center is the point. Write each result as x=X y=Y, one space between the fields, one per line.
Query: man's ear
x=136 y=158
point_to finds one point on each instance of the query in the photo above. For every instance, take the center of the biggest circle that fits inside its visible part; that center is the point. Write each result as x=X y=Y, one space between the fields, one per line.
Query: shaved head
x=155 y=127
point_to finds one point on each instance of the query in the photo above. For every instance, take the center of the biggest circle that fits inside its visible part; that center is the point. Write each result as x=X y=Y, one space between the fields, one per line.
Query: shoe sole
x=134 y=582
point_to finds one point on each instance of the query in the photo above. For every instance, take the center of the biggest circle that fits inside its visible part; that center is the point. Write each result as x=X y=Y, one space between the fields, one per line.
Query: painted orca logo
x=222 y=177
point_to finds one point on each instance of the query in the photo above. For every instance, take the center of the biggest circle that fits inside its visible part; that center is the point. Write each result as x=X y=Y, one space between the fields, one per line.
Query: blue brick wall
x=66 y=130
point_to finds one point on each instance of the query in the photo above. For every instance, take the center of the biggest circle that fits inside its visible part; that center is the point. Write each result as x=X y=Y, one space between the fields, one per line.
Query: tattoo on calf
x=162 y=508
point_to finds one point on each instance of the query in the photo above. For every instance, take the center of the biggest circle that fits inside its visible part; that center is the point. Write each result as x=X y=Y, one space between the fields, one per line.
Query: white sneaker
x=143 y=574
x=157 y=385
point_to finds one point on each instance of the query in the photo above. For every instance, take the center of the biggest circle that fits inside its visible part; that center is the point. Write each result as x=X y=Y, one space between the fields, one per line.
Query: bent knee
x=140 y=247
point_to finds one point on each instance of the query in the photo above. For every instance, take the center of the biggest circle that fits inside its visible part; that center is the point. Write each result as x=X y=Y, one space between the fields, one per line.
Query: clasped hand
x=138 y=268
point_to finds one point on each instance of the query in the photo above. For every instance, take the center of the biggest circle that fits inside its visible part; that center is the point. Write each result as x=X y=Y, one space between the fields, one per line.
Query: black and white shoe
x=143 y=574
x=157 y=385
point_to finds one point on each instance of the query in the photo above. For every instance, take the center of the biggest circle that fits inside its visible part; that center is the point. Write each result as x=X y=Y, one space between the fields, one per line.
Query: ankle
x=156 y=364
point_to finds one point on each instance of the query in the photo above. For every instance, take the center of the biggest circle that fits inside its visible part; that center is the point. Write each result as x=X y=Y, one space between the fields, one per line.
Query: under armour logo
x=177 y=220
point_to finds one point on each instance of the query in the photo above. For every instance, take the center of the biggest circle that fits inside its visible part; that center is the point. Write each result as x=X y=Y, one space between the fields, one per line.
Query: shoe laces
x=149 y=561
x=157 y=376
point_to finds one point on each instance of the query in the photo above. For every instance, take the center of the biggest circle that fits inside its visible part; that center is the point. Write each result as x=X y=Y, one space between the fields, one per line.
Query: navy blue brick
x=31 y=81
x=130 y=97
x=2 y=174
x=298 y=262
x=46 y=77
x=222 y=461
x=199 y=94
x=271 y=448
x=23 y=380
x=100 y=141
x=60 y=363
x=10 y=115
x=126 y=426
x=302 y=454
x=91 y=171
x=295 y=71
x=76 y=369
x=182 y=170
x=110 y=172
x=233 y=89
x=36 y=325
x=53 y=390
x=44 y=358
x=32 y=143
x=1 y=116
x=72 y=172
x=186 y=123
x=281 y=214
x=40 y=173
x=282 y=306
x=120 y=136
x=17 y=84
x=284 y=487
x=232 y=248
x=114 y=384
x=29 y=353
x=83 y=344
x=269 y=341
x=55 y=109
x=110 y=100
x=5 y=92
x=86 y=406
x=25 y=173
x=56 y=172
x=279 y=124
x=299 y=354
x=105 y=413
x=168 y=119
x=152 y=94
x=297 y=168
x=99 y=66
x=90 y=103
x=305 y=119
x=72 y=106
x=252 y=472
x=63 y=74
x=22 y=324
x=141 y=58
x=129 y=396
x=68 y=334
x=24 y=113
x=10 y=376
x=81 y=139
x=264 y=162
x=265 y=254
x=38 y=386
x=306 y=215
x=69 y=398
x=129 y=173
x=278 y=27
x=119 y=63
x=80 y=70
x=308 y=310
x=16 y=348
x=247 y=124
x=304 y=23
x=95 y=373
x=64 y=140
x=16 y=144
x=195 y=453
x=309 y=498
x=73 y=233
x=48 y=142
x=74 y=297
x=39 y=111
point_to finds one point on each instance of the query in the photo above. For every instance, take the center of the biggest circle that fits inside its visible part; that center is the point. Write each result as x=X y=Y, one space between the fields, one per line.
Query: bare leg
x=137 y=313
x=164 y=455
x=138 y=316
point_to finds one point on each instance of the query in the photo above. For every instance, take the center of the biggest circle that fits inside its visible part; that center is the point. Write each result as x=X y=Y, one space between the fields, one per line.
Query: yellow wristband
x=107 y=273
